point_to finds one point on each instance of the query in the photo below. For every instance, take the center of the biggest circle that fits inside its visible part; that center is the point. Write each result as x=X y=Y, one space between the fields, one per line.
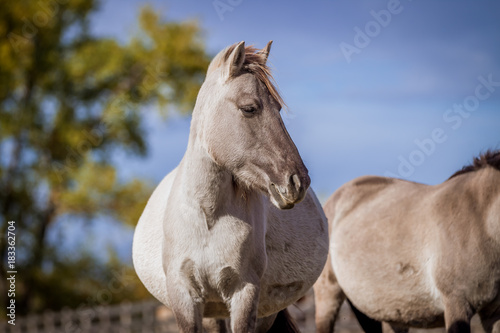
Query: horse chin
x=277 y=198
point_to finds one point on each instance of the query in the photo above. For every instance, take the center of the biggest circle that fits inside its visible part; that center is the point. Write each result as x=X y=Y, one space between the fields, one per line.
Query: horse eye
x=248 y=110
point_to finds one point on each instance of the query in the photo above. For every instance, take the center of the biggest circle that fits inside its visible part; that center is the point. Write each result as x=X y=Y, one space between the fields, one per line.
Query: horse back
x=364 y=193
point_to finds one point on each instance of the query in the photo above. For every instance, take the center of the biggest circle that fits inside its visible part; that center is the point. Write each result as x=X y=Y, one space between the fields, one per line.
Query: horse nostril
x=295 y=180
x=282 y=190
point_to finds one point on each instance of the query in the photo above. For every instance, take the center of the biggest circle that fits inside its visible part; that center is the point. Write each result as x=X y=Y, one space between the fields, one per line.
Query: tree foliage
x=68 y=101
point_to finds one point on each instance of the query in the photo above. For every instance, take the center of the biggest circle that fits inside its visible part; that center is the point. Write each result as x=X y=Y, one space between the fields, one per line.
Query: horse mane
x=490 y=157
x=255 y=63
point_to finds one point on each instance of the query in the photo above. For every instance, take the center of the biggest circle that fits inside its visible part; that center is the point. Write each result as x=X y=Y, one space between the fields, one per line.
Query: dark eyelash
x=248 y=109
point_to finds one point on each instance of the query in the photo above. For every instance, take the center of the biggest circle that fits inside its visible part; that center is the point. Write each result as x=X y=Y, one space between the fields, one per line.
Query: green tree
x=68 y=101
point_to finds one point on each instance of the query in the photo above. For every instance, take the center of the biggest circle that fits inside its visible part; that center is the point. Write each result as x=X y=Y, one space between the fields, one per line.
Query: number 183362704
x=11 y=248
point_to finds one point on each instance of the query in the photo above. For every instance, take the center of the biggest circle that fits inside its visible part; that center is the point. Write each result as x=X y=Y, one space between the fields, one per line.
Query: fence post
x=32 y=324
x=16 y=328
x=103 y=314
x=48 y=321
x=85 y=317
x=67 y=325
x=125 y=317
x=148 y=317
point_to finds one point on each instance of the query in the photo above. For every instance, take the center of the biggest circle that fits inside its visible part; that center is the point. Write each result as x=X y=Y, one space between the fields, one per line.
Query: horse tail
x=368 y=324
x=284 y=323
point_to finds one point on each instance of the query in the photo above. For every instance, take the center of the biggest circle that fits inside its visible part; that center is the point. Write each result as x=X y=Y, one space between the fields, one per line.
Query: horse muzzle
x=285 y=197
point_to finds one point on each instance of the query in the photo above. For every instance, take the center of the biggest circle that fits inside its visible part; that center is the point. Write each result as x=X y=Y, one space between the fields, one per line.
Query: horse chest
x=215 y=259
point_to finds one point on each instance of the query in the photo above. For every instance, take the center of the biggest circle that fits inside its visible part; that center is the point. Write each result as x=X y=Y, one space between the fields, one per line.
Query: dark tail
x=284 y=323
x=369 y=325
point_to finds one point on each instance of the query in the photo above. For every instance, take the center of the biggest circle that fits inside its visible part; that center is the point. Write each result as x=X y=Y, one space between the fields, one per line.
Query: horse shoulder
x=297 y=247
x=297 y=227
x=466 y=212
x=477 y=196
x=462 y=207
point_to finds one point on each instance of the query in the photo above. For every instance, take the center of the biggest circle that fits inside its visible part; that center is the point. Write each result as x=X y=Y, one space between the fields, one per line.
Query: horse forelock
x=489 y=158
x=255 y=63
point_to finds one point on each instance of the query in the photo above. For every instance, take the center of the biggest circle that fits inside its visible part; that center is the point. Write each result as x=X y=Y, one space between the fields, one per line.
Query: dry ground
x=303 y=312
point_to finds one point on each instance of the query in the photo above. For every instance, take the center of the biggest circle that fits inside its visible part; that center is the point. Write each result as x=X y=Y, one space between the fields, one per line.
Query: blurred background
x=95 y=102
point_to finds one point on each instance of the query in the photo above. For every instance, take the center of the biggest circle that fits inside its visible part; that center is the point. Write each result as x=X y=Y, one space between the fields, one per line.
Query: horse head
x=238 y=122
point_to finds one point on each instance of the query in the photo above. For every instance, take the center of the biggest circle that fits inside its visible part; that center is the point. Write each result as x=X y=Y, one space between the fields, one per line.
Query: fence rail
x=152 y=316
x=141 y=317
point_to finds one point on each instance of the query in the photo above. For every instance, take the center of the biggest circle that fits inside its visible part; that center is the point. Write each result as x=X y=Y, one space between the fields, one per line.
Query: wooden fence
x=149 y=316
x=154 y=317
x=144 y=317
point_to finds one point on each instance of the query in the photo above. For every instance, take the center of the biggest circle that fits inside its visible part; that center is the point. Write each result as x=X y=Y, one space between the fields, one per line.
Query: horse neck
x=485 y=184
x=208 y=186
x=203 y=179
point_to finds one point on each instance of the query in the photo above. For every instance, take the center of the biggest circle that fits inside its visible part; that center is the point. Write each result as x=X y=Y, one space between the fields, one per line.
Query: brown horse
x=416 y=255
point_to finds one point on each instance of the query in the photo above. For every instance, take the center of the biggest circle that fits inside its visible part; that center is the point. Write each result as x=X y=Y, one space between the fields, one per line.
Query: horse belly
x=385 y=284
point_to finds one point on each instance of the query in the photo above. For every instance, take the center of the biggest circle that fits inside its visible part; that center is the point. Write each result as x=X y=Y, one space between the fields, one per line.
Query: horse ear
x=265 y=51
x=235 y=60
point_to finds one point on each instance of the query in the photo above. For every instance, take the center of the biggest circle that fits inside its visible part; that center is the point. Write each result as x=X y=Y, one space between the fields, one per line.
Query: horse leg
x=368 y=324
x=490 y=321
x=328 y=297
x=243 y=305
x=265 y=323
x=187 y=306
x=212 y=325
x=397 y=329
x=490 y=317
x=457 y=315
x=187 y=312
x=284 y=323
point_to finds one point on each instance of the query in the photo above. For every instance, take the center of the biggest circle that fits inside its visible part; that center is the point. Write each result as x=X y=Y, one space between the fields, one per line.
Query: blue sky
x=410 y=101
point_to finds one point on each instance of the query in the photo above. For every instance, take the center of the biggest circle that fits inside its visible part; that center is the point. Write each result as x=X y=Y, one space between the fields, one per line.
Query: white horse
x=209 y=242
